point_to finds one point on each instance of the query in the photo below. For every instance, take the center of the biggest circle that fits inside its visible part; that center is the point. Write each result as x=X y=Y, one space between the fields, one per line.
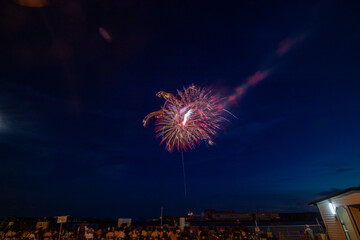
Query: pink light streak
x=105 y=34
x=288 y=43
x=284 y=47
x=257 y=77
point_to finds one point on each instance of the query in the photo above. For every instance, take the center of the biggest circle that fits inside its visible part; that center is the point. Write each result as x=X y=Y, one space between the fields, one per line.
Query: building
x=341 y=214
x=230 y=215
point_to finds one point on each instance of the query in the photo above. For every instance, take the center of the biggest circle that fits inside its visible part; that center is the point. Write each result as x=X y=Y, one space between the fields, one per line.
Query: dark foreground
x=90 y=230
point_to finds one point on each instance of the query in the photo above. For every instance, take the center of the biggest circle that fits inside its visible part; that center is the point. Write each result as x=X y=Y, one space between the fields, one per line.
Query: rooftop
x=335 y=194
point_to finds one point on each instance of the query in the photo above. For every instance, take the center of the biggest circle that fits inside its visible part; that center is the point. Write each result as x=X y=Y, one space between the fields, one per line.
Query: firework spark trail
x=230 y=113
x=186 y=116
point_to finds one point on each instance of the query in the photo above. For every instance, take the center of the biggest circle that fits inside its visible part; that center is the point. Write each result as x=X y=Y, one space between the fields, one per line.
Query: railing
x=286 y=232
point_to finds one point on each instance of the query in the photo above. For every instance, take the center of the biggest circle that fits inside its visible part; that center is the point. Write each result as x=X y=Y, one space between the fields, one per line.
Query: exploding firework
x=188 y=118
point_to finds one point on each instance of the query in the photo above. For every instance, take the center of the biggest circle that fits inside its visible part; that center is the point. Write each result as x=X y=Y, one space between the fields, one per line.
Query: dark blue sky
x=72 y=104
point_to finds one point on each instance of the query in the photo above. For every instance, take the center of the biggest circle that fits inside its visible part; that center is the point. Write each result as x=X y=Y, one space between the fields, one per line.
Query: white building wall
x=349 y=199
x=333 y=226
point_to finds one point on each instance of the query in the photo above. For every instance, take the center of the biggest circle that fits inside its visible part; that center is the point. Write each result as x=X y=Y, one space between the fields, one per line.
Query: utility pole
x=60 y=231
x=161 y=217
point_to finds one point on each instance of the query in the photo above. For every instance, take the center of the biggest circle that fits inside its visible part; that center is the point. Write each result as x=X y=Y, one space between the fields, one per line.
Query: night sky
x=77 y=78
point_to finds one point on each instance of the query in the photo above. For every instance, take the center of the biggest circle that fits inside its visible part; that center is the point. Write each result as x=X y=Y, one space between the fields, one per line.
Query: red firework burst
x=187 y=118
